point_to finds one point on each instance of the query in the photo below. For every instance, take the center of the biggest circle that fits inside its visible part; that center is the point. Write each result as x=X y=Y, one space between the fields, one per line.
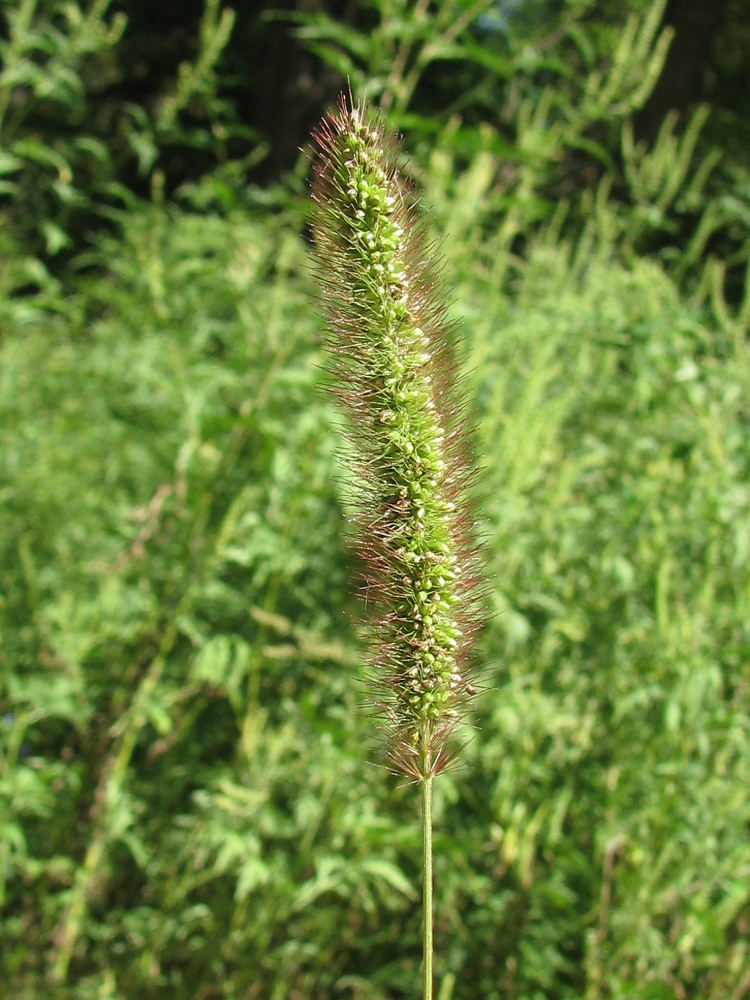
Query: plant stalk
x=427 y=887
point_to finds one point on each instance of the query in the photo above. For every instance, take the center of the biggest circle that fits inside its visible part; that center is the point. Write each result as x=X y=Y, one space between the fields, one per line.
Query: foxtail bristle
x=394 y=371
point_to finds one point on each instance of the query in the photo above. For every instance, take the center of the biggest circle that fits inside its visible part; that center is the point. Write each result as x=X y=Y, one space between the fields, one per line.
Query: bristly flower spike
x=394 y=370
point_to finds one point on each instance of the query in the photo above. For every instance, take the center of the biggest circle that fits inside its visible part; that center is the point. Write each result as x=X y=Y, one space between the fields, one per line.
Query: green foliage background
x=188 y=802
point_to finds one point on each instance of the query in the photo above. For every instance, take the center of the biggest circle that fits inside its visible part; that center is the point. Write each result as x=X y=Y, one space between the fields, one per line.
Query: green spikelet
x=393 y=369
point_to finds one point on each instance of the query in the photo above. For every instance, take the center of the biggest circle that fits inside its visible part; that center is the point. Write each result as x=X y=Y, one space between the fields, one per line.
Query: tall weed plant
x=394 y=372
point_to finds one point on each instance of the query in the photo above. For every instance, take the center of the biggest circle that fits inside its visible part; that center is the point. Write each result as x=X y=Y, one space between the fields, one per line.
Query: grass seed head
x=392 y=360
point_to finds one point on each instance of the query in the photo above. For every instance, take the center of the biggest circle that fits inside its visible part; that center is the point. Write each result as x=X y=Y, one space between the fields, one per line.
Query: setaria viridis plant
x=393 y=369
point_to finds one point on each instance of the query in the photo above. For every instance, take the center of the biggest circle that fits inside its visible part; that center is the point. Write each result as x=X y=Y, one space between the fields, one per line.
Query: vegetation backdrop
x=189 y=807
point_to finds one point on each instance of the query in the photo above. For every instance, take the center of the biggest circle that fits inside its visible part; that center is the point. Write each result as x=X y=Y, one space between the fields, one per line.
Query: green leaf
x=9 y=164
x=386 y=873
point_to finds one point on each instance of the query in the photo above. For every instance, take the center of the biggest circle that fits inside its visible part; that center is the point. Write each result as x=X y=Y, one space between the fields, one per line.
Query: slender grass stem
x=427 y=886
